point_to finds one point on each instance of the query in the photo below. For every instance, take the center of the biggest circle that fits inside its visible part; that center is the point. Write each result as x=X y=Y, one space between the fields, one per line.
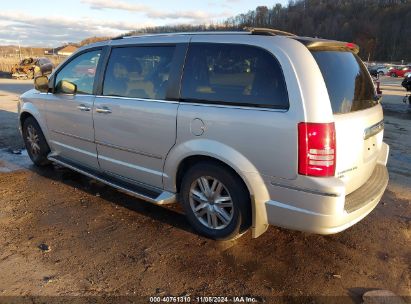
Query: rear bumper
x=357 y=205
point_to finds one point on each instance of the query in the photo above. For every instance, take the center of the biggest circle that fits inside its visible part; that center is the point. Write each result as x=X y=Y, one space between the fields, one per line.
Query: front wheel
x=393 y=75
x=215 y=201
x=35 y=142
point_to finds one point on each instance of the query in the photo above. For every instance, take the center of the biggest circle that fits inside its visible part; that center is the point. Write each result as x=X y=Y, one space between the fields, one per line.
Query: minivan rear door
x=358 y=115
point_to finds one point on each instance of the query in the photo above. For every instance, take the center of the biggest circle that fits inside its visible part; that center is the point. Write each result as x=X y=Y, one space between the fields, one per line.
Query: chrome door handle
x=83 y=107
x=104 y=110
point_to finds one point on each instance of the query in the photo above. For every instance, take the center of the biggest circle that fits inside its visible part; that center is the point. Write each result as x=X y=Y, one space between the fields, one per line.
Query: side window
x=138 y=72
x=80 y=71
x=233 y=74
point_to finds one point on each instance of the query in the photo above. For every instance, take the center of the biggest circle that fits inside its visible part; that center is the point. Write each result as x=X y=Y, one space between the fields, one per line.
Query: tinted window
x=140 y=72
x=233 y=74
x=80 y=71
x=349 y=86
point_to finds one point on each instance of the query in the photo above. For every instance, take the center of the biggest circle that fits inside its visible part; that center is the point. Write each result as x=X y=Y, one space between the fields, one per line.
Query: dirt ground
x=63 y=234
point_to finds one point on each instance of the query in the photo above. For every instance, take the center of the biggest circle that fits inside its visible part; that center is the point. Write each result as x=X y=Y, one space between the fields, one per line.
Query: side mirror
x=66 y=87
x=41 y=83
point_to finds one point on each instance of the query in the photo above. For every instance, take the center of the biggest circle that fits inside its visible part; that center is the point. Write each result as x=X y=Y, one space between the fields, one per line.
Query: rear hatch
x=357 y=113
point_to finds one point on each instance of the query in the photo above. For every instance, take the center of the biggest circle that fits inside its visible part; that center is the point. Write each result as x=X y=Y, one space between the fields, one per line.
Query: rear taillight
x=350 y=45
x=316 y=149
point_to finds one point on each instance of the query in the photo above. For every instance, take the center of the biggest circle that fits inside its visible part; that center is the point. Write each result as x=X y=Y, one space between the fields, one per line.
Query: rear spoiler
x=313 y=44
x=329 y=45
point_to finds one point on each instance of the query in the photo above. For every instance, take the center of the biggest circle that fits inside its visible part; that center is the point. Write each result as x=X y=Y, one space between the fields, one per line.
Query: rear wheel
x=393 y=75
x=216 y=202
x=35 y=142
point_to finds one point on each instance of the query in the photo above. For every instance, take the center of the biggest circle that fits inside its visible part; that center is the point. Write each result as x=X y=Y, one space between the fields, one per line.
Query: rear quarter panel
x=266 y=138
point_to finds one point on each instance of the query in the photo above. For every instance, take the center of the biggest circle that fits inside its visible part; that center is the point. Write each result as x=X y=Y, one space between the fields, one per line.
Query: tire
x=35 y=142
x=228 y=218
x=393 y=75
x=381 y=74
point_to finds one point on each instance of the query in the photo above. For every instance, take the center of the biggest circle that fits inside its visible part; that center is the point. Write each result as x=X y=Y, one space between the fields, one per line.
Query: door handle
x=83 y=107
x=104 y=110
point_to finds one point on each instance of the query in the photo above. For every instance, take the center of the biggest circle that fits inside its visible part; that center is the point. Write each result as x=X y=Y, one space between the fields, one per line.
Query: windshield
x=349 y=85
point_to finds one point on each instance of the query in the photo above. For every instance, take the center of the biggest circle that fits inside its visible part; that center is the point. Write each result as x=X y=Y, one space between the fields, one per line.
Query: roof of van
x=246 y=31
x=314 y=44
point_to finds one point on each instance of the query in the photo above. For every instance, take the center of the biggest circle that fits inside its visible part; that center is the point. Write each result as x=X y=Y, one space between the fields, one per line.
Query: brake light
x=316 y=149
x=350 y=45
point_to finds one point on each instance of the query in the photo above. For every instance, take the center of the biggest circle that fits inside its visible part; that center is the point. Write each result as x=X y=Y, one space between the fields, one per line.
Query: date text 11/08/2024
x=203 y=299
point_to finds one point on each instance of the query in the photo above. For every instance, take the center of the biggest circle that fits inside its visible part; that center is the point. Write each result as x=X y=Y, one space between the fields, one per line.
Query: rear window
x=348 y=83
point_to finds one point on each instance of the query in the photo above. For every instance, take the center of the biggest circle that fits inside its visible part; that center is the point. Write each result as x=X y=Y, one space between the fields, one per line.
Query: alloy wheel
x=33 y=139
x=211 y=202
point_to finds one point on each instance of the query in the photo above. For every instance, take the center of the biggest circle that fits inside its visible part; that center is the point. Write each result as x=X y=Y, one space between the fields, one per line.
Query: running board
x=155 y=196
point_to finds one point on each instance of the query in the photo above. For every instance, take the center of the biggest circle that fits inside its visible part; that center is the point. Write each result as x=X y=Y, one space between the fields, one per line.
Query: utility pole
x=19 y=50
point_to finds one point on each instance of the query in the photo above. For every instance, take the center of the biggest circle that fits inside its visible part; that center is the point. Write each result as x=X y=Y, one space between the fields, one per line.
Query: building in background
x=67 y=50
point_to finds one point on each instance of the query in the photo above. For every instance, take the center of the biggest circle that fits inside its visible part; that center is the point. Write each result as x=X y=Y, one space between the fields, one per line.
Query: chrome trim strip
x=197 y=104
x=73 y=136
x=108 y=145
x=63 y=94
x=137 y=98
x=125 y=164
x=233 y=107
x=74 y=149
x=128 y=150
x=132 y=181
x=311 y=191
x=374 y=129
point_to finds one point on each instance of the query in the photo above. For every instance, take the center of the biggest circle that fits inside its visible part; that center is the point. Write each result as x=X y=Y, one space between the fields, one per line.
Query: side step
x=152 y=195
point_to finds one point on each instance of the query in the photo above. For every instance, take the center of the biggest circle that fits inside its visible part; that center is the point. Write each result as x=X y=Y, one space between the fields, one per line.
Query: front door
x=135 y=126
x=69 y=116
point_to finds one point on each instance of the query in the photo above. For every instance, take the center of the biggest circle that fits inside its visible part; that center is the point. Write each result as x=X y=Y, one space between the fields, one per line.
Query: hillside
x=382 y=28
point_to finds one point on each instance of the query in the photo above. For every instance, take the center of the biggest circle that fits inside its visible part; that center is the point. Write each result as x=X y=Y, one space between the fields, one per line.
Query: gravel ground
x=67 y=235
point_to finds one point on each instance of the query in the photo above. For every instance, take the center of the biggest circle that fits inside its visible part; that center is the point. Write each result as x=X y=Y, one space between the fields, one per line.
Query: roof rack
x=267 y=31
x=180 y=33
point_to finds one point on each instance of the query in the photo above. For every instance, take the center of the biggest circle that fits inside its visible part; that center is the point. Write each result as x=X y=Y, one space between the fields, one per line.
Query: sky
x=50 y=23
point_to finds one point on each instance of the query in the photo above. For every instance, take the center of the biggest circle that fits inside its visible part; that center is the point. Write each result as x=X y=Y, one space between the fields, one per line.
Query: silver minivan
x=244 y=129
